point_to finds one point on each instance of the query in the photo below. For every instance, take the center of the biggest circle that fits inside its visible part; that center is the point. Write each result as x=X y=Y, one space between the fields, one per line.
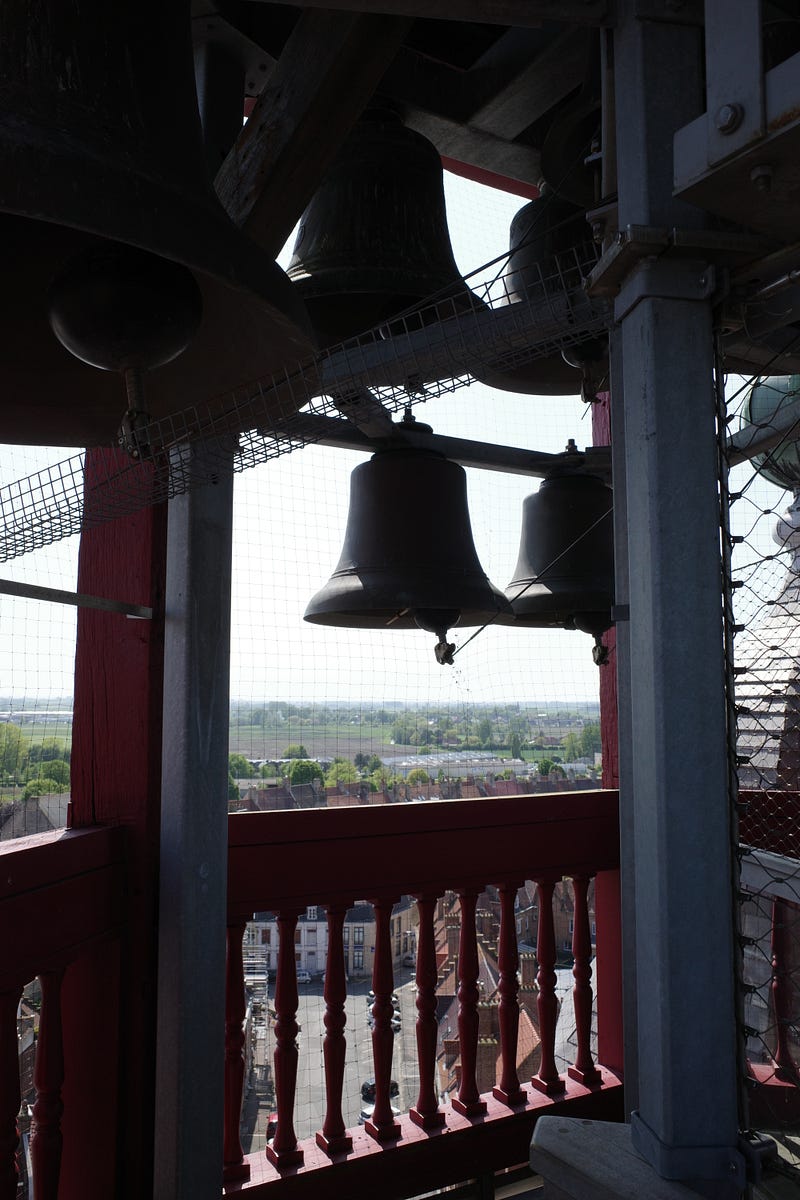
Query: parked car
x=409 y=960
x=395 y=1022
x=304 y=977
x=366 y=1113
x=368 y=1090
x=395 y=998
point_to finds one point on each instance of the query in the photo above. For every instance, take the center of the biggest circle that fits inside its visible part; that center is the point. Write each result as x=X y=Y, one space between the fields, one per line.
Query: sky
x=289 y=525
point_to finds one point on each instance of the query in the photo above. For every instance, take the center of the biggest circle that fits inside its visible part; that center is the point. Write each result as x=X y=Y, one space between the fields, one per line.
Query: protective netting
x=765 y=576
x=435 y=349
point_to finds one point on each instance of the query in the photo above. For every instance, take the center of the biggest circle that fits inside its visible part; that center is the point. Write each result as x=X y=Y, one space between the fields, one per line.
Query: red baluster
x=382 y=1125
x=284 y=1151
x=333 y=1138
x=584 y=1069
x=426 y=1113
x=48 y=1079
x=233 y=1157
x=508 y=1089
x=782 y=992
x=468 y=1100
x=548 y=1079
x=9 y=1095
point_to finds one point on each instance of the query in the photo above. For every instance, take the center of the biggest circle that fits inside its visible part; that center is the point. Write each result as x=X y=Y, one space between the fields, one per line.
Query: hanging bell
x=374 y=240
x=101 y=150
x=408 y=558
x=541 y=265
x=565 y=571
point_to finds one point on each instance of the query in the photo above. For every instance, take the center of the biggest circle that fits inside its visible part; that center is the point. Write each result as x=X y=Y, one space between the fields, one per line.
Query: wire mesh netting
x=765 y=575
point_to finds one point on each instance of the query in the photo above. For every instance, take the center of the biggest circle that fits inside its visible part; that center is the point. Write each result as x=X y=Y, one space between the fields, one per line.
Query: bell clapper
x=444 y=651
x=599 y=651
x=131 y=437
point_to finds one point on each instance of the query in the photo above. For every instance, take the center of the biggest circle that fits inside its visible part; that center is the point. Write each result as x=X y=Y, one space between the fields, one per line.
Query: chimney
x=486 y=1064
x=527 y=967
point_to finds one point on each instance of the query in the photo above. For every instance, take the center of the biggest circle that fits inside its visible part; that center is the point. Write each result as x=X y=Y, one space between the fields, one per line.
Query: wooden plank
x=329 y=69
x=311 y=856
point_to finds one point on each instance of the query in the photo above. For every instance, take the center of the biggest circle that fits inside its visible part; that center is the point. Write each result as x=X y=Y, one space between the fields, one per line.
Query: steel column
x=675 y=788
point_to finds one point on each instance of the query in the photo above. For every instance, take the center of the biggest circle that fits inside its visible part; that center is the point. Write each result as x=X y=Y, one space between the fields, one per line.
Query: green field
x=321 y=741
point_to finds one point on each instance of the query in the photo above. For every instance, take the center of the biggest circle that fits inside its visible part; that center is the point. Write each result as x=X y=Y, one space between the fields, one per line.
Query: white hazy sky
x=290 y=521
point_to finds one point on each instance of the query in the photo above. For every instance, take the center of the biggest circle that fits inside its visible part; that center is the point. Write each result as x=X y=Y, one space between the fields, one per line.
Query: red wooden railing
x=61 y=901
x=284 y=862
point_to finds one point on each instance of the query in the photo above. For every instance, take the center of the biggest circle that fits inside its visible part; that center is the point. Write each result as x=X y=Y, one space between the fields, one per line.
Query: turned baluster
x=233 y=1156
x=548 y=1079
x=333 y=1137
x=468 y=1102
x=782 y=991
x=283 y=1150
x=584 y=1069
x=9 y=1095
x=382 y=1125
x=508 y=1090
x=426 y=1113
x=48 y=1079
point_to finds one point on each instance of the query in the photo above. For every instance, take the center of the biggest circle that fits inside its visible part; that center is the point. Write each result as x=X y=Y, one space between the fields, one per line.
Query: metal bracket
x=665 y=279
x=635 y=242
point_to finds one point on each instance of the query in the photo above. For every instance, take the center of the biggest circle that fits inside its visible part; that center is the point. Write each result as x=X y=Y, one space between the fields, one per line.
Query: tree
x=590 y=739
x=361 y=761
x=56 y=771
x=233 y=788
x=418 y=775
x=48 y=750
x=303 y=770
x=545 y=766
x=484 y=732
x=341 y=771
x=297 y=750
x=573 y=748
x=239 y=767
x=41 y=786
x=515 y=744
x=10 y=748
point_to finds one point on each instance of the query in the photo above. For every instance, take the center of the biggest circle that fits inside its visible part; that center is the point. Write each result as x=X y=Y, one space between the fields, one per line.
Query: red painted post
x=468 y=1102
x=333 y=1137
x=234 y=1166
x=426 y=1113
x=9 y=1095
x=48 y=1079
x=548 y=1080
x=785 y=1065
x=116 y=779
x=583 y=1069
x=382 y=1125
x=284 y=1151
x=508 y=1090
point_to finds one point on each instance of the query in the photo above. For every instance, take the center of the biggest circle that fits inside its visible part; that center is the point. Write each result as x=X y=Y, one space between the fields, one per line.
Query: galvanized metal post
x=190 y=1051
x=675 y=787
x=194 y=836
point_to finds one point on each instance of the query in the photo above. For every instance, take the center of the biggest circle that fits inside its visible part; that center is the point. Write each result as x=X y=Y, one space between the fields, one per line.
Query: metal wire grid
x=434 y=349
x=764 y=618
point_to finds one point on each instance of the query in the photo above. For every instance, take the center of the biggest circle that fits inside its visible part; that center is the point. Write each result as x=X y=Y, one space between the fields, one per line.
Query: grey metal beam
x=676 y=789
x=33 y=591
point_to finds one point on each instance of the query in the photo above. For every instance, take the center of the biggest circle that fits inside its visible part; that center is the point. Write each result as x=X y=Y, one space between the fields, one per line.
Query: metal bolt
x=729 y=117
x=761 y=177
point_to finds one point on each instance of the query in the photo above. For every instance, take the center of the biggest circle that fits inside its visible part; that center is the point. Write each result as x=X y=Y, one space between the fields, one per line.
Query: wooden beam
x=328 y=71
x=526 y=13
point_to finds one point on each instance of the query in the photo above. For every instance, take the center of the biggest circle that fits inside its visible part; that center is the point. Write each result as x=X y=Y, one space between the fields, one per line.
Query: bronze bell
x=408 y=557
x=100 y=145
x=374 y=240
x=542 y=238
x=565 y=571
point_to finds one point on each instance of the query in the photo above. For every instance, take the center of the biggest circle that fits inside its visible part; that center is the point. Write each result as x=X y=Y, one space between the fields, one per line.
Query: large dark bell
x=374 y=240
x=542 y=239
x=408 y=557
x=100 y=145
x=565 y=572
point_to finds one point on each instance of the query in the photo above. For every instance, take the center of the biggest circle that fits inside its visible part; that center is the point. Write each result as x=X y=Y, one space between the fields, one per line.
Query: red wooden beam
x=399 y=849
